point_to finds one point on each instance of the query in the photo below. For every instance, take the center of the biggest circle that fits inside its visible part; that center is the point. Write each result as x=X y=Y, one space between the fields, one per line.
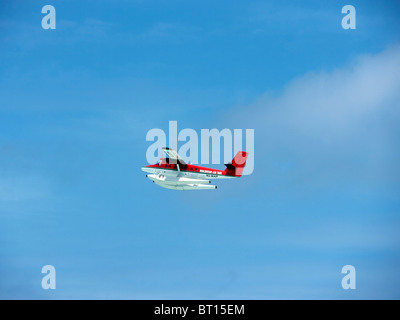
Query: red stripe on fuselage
x=187 y=168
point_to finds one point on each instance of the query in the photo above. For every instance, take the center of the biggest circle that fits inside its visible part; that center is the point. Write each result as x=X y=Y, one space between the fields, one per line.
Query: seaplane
x=174 y=173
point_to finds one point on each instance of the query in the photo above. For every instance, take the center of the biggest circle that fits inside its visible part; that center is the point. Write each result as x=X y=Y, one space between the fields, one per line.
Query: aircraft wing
x=172 y=154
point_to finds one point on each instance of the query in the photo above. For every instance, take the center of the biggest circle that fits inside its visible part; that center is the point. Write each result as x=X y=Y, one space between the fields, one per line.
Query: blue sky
x=76 y=104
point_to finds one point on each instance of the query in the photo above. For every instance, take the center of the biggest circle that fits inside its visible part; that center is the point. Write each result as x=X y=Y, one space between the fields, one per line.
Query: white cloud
x=337 y=125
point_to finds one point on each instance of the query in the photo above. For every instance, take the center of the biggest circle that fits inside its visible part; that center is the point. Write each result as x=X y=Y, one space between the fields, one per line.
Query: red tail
x=235 y=168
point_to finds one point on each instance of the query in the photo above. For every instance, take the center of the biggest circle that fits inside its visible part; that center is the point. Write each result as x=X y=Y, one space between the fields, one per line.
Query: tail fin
x=235 y=168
